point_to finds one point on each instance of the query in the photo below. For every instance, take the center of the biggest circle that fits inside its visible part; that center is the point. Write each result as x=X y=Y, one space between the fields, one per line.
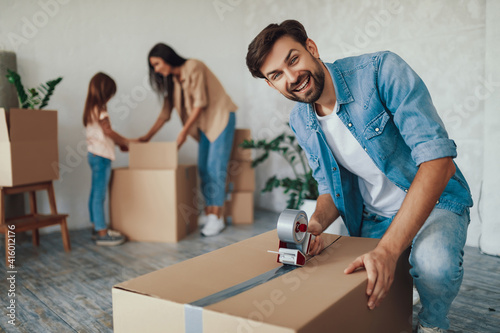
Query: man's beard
x=317 y=77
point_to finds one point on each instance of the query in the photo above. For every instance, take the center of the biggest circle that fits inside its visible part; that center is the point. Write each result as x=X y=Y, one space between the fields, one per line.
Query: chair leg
x=35 y=236
x=65 y=236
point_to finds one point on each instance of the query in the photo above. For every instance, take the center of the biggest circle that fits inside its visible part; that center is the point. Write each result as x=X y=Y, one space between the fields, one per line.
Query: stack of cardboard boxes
x=241 y=182
x=155 y=199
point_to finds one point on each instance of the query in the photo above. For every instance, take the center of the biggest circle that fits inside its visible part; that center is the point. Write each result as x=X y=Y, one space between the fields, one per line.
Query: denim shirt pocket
x=380 y=134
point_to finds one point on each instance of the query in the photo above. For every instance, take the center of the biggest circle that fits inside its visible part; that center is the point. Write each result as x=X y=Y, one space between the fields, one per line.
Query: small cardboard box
x=28 y=146
x=238 y=153
x=153 y=155
x=241 y=176
x=154 y=205
x=239 y=209
x=318 y=297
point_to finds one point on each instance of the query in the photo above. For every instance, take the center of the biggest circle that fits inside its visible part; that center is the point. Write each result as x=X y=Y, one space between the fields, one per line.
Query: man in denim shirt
x=382 y=159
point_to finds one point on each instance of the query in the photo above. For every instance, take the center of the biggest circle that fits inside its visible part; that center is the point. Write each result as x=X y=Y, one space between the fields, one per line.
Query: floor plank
x=71 y=292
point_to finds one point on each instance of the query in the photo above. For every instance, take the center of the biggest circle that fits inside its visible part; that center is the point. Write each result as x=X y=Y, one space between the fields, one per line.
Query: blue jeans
x=101 y=172
x=436 y=258
x=213 y=158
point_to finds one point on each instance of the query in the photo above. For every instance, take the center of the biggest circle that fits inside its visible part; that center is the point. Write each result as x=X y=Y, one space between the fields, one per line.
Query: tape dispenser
x=293 y=236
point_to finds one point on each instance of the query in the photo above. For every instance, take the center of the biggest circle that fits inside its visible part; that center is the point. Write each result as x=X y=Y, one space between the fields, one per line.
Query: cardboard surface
x=241 y=176
x=318 y=297
x=154 y=205
x=153 y=155
x=28 y=146
x=238 y=153
x=240 y=208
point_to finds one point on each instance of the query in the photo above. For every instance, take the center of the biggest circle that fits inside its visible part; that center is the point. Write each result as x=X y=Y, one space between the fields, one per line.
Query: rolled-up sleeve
x=198 y=88
x=407 y=98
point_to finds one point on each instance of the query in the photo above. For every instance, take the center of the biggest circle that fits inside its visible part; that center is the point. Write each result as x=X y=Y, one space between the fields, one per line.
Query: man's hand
x=380 y=265
x=315 y=228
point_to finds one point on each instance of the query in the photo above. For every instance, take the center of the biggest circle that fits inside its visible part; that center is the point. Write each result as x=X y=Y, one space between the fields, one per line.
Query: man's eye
x=294 y=60
x=276 y=76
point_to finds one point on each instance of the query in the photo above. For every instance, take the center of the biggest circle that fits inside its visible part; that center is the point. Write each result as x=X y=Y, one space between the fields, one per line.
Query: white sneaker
x=416 y=296
x=422 y=329
x=213 y=226
x=202 y=220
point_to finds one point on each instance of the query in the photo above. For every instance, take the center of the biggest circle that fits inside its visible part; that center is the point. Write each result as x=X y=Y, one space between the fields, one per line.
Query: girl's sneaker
x=112 y=238
x=213 y=226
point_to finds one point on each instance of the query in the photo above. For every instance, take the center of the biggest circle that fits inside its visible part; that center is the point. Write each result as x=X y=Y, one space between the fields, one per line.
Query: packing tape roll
x=290 y=226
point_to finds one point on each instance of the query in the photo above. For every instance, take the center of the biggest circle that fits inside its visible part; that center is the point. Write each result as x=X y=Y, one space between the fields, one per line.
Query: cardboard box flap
x=153 y=155
x=280 y=302
x=209 y=266
x=4 y=131
x=252 y=251
x=32 y=125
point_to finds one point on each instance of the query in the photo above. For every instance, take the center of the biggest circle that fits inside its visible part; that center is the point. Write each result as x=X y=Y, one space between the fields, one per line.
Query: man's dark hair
x=262 y=44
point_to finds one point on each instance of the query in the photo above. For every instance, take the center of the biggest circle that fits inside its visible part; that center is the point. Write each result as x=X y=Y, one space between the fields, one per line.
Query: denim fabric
x=373 y=225
x=213 y=158
x=101 y=172
x=436 y=258
x=388 y=109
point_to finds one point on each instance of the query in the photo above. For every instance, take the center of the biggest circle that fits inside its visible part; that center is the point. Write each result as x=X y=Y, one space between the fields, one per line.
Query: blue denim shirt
x=388 y=109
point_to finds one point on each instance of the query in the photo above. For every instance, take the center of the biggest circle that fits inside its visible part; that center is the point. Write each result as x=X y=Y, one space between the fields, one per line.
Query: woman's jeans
x=436 y=258
x=213 y=158
x=101 y=172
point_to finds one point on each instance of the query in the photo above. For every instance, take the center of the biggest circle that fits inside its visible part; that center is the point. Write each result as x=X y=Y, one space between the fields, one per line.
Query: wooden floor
x=71 y=292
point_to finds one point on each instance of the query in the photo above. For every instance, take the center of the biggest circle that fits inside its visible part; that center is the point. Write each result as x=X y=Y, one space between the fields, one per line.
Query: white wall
x=444 y=41
x=79 y=38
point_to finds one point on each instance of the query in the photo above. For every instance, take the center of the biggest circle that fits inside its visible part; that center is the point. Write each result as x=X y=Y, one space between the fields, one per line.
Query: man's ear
x=312 y=48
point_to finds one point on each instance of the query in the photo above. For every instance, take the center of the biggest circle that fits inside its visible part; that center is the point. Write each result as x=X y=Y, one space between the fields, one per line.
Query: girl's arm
x=108 y=131
x=190 y=121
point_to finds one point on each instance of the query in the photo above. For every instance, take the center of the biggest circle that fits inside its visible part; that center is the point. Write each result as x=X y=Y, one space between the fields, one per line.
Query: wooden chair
x=33 y=221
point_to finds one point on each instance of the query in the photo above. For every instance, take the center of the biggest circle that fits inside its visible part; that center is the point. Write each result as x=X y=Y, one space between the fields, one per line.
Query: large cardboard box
x=239 y=208
x=238 y=153
x=154 y=205
x=28 y=146
x=241 y=176
x=153 y=155
x=318 y=297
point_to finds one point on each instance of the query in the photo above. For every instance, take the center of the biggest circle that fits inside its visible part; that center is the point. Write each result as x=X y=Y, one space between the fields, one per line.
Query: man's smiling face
x=296 y=72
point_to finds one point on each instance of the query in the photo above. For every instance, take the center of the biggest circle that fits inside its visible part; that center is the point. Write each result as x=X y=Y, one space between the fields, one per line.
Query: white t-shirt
x=379 y=194
x=97 y=142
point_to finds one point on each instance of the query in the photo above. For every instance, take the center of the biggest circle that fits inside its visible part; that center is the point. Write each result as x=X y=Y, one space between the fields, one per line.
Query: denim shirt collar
x=342 y=93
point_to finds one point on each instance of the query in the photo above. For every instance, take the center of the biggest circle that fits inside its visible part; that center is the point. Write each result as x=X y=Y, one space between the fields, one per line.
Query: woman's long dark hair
x=101 y=89
x=164 y=86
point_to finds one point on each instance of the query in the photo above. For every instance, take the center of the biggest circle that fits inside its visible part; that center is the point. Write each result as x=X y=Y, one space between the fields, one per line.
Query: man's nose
x=291 y=76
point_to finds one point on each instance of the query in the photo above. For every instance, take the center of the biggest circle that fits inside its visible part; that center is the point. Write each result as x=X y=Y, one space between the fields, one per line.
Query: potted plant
x=302 y=186
x=35 y=97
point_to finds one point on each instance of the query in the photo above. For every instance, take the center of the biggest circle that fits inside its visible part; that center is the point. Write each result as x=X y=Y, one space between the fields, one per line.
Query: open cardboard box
x=28 y=146
x=318 y=297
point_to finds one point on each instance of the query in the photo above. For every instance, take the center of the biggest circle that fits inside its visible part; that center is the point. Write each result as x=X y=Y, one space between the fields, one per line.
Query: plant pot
x=337 y=227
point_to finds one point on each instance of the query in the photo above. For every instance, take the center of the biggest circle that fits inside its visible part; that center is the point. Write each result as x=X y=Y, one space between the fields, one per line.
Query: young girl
x=101 y=140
